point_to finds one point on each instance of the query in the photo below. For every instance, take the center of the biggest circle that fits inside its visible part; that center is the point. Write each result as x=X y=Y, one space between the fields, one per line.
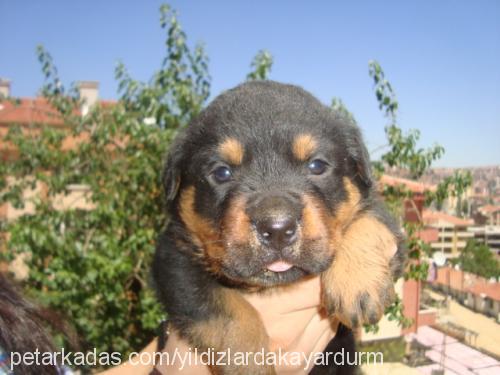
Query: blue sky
x=442 y=57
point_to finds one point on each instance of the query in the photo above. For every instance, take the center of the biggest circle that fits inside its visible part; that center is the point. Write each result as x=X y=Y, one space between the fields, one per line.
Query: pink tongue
x=279 y=266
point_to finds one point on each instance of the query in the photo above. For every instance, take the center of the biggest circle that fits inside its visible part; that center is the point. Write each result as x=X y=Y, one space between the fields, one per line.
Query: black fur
x=265 y=117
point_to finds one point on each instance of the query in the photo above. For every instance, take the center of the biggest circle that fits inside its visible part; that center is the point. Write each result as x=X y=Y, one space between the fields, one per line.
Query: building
x=488 y=235
x=33 y=115
x=412 y=207
x=452 y=232
x=475 y=292
x=491 y=214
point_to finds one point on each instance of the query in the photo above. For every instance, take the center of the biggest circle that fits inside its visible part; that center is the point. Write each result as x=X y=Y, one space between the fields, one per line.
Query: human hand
x=293 y=320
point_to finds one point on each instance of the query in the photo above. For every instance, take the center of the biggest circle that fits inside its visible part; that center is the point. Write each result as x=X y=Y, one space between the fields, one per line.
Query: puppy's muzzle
x=275 y=218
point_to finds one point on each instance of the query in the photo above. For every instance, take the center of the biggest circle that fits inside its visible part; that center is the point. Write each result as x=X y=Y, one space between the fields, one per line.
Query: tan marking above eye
x=232 y=151
x=304 y=146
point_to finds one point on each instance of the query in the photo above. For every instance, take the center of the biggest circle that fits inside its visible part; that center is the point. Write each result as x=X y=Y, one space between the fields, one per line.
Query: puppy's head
x=262 y=181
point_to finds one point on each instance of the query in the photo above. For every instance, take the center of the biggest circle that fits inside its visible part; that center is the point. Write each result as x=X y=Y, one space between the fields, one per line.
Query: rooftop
x=414 y=186
x=29 y=110
x=434 y=217
x=489 y=209
x=26 y=111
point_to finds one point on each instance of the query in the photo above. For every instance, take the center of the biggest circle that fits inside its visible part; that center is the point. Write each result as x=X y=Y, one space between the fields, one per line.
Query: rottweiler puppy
x=266 y=187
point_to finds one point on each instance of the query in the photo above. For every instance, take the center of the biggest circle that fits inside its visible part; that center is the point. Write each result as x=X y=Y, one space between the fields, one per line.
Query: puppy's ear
x=172 y=170
x=358 y=154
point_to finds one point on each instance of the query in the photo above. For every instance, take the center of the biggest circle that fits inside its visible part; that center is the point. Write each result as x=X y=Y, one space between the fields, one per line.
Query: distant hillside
x=486 y=180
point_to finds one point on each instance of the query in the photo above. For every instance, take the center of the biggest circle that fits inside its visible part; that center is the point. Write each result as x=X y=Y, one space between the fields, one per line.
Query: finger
x=313 y=339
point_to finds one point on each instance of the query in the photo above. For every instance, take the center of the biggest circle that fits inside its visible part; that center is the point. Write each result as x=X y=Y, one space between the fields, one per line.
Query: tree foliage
x=339 y=107
x=454 y=186
x=178 y=89
x=261 y=66
x=92 y=263
x=402 y=148
x=402 y=151
x=478 y=259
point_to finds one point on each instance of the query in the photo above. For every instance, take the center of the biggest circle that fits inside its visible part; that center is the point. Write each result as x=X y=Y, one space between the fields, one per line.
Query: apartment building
x=452 y=232
x=491 y=214
x=488 y=235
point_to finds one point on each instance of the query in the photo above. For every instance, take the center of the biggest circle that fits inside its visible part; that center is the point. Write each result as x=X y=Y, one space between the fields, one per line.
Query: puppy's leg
x=359 y=284
x=237 y=327
x=207 y=315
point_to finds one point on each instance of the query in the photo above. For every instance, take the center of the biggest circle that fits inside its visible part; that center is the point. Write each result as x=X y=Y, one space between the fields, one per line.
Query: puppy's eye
x=222 y=174
x=317 y=166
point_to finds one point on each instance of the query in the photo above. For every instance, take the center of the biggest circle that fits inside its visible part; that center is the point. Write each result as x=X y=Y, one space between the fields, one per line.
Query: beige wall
x=29 y=197
x=452 y=239
x=75 y=197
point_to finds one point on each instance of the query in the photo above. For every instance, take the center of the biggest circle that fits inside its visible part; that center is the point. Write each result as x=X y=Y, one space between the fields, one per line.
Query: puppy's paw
x=363 y=304
x=359 y=285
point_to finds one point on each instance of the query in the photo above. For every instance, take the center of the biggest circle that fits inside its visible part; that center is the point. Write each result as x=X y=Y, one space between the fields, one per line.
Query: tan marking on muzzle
x=347 y=210
x=236 y=224
x=313 y=218
x=344 y=214
x=203 y=233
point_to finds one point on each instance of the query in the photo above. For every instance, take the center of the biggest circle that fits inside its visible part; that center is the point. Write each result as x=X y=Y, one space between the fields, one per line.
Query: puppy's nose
x=277 y=232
